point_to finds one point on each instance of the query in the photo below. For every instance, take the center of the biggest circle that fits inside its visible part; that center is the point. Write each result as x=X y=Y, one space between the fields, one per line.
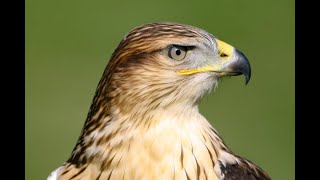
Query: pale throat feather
x=175 y=142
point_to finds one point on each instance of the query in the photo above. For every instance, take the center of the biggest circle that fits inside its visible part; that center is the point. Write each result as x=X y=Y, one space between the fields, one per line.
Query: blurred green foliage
x=68 y=44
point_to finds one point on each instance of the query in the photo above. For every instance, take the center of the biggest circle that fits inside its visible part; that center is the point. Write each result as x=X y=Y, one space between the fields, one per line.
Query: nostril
x=223 y=55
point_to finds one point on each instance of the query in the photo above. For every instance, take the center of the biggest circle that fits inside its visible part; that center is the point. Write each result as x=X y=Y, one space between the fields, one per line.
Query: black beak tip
x=244 y=65
x=247 y=76
x=247 y=71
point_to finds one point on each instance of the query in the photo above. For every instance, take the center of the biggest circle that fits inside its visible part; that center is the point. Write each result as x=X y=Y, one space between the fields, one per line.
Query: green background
x=68 y=44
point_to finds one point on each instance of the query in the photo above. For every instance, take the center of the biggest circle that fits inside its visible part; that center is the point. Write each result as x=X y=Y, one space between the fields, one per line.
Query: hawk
x=144 y=120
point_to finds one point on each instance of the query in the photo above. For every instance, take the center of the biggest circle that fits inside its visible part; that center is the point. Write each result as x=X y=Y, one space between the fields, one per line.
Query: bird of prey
x=144 y=121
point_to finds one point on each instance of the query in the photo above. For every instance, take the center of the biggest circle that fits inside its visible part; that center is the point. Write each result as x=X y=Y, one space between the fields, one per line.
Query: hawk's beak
x=234 y=62
x=237 y=65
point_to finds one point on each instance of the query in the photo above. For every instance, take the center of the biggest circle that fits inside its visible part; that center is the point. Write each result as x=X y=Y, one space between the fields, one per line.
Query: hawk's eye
x=177 y=52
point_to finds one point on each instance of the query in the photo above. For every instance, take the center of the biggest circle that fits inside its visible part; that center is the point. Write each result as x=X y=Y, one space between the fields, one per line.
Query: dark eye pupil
x=178 y=52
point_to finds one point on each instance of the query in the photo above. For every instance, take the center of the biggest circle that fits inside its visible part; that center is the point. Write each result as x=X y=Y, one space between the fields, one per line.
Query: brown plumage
x=144 y=121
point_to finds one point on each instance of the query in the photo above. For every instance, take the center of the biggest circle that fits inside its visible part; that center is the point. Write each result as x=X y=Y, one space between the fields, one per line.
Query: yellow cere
x=224 y=48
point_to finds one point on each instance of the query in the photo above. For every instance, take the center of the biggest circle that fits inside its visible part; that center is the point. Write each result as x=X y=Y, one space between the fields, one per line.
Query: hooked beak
x=237 y=65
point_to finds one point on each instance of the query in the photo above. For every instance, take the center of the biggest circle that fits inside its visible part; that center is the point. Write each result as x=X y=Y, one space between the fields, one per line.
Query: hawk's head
x=165 y=64
x=144 y=120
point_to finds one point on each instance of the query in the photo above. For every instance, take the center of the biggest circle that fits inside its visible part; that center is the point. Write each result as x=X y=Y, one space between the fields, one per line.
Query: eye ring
x=177 y=53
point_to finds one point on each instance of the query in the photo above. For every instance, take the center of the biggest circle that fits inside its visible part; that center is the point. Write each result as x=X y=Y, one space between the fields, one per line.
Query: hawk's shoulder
x=242 y=169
